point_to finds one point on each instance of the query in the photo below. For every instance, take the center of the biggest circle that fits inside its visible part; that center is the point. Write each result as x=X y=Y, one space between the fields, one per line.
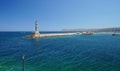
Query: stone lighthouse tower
x=36 y=26
x=36 y=32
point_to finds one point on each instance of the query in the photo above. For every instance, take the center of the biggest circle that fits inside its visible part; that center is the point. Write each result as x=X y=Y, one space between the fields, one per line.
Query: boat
x=115 y=33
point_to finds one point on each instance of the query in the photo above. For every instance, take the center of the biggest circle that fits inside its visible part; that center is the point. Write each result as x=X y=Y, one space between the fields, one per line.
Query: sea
x=97 y=52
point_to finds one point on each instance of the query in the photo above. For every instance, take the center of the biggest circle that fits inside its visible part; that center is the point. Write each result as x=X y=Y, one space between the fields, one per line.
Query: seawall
x=50 y=35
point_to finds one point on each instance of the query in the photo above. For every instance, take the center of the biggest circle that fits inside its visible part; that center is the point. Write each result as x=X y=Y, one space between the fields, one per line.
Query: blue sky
x=55 y=15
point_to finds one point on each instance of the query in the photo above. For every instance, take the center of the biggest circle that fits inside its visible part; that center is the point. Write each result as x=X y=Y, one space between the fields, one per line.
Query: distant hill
x=116 y=29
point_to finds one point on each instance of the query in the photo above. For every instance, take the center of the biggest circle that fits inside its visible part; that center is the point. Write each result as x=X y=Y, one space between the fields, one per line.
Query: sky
x=55 y=15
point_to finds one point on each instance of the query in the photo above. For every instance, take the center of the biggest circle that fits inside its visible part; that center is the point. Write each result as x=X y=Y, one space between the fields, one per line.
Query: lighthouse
x=36 y=27
x=36 y=33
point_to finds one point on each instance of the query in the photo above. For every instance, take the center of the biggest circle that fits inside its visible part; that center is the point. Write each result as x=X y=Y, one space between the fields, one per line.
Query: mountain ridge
x=113 y=29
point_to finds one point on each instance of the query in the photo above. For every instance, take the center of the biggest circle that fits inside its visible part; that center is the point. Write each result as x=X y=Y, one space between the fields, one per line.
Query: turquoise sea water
x=99 y=52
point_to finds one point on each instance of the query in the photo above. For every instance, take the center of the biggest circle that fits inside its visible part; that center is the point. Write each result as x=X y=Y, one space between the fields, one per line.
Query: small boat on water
x=116 y=33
